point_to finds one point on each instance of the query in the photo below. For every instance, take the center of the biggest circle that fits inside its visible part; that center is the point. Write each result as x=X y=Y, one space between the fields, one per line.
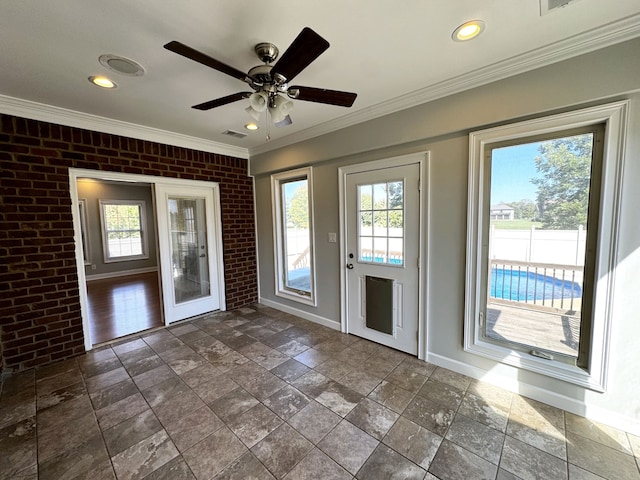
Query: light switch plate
x=331 y=237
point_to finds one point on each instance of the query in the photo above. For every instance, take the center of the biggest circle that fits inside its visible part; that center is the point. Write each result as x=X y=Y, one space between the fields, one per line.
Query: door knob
x=350 y=266
x=202 y=255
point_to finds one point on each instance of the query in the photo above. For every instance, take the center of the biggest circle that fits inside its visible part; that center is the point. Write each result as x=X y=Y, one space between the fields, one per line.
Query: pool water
x=522 y=286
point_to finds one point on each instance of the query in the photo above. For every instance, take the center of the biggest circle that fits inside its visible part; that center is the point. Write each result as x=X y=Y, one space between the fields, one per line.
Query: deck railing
x=543 y=285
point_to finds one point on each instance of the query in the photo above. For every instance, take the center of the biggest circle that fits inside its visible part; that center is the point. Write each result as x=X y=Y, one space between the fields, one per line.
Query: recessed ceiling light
x=251 y=126
x=103 y=82
x=122 y=65
x=468 y=30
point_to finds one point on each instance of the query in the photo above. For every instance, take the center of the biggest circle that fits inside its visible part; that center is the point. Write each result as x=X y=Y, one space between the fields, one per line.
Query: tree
x=563 y=186
x=298 y=208
x=525 y=209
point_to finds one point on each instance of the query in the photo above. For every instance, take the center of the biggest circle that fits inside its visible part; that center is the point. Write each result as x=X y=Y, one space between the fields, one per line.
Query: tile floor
x=259 y=394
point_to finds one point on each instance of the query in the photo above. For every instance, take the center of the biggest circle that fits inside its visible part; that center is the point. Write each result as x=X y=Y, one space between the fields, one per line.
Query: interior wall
x=41 y=317
x=442 y=127
x=92 y=192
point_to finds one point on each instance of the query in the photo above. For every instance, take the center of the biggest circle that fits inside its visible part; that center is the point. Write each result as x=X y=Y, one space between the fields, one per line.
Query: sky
x=512 y=170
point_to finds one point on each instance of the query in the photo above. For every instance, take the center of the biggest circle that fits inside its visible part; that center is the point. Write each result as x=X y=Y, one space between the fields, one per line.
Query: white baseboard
x=300 y=313
x=121 y=273
x=594 y=413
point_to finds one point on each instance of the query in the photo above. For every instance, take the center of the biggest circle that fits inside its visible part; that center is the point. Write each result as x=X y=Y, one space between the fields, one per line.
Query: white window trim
x=143 y=223
x=278 y=241
x=614 y=116
x=84 y=232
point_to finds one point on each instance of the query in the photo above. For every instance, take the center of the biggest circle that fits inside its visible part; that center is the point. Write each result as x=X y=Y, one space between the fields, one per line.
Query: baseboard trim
x=594 y=413
x=121 y=273
x=300 y=313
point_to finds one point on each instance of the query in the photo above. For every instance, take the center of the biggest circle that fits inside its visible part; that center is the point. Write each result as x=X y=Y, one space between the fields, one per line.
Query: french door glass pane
x=190 y=265
x=537 y=235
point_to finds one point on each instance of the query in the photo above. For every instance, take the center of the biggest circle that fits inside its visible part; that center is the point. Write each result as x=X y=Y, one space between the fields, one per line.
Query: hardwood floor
x=123 y=305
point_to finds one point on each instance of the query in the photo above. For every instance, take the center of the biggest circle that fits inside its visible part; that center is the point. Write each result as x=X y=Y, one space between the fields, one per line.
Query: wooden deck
x=555 y=332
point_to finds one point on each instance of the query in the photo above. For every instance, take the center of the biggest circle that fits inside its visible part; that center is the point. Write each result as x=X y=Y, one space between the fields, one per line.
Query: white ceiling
x=393 y=55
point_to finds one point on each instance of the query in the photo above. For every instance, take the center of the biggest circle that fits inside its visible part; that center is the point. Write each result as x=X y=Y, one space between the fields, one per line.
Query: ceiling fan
x=271 y=81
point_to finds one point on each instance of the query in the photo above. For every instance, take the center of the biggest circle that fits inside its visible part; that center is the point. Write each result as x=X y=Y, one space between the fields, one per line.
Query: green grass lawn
x=515 y=224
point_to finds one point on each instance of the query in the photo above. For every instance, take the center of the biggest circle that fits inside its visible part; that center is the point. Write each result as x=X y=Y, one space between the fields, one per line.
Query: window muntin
x=591 y=368
x=293 y=228
x=535 y=286
x=381 y=225
x=123 y=235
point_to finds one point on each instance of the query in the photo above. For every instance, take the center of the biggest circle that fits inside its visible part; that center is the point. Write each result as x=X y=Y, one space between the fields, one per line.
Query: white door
x=187 y=238
x=382 y=225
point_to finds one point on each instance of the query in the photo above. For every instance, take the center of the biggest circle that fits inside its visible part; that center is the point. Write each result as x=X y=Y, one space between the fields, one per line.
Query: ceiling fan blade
x=307 y=46
x=218 y=102
x=196 y=56
x=322 y=95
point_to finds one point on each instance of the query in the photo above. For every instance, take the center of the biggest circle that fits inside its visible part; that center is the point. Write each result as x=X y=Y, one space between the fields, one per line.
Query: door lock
x=350 y=266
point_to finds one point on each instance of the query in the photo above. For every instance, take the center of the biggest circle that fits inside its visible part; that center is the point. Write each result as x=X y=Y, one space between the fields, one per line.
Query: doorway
x=207 y=268
x=381 y=217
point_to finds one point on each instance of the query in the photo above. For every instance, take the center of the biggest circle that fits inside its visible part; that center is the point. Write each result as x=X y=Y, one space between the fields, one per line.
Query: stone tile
x=82 y=461
x=176 y=469
x=18 y=446
x=429 y=415
x=59 y=396
x=210 y=389
x=57 y=368
x=174 y=408
x=386 y=464
x=110 y=395
x=453 y=462
x=312 y=383
x=144 y=457
x=457 y=380
x=291 y=348
x=201 y=375
x=377 y=367
x=529 y=463
x=491 y=394
x=212 y=455
x=265 y=385
x=361 y=445
x=286 y=402
x=312 y=358
x=153 y=377
x=406 y=378
x=476 y=437
x=182 y=359
x=228 y=361
x=318 y=465
x=193 y=427
x=160 y=392
x=419 y=366
x=392 y=396
x=281 y=450
x=29 y=473
x=254 y=424
x=247 y=467
x=183 y=328
x=598 y=432
x=600 y=459
x=443 y=393
x=17 y=411
x=413 y=441
x=143 y=365
x=104 y=380
x=121 y=410
x=314 y=421
x=130 y=432
x=504 y=475
x=56 y=382
x=577 y=473
x=372 y=417
x=339 y=399
x=477 y=408
x=334 y=369
x=92 y=369
x=233 y=403
x=361 y=382
x=544 y=437
x=128 y=346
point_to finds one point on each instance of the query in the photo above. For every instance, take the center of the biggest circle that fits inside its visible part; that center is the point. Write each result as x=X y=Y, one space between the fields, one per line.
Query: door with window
x=382 y=225
x=187 y=241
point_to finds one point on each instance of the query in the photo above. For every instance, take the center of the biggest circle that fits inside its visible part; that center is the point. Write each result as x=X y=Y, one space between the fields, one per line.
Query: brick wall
x=39 y=305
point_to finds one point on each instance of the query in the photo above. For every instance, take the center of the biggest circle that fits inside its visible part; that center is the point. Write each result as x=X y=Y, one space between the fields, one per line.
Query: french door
x=187 y=233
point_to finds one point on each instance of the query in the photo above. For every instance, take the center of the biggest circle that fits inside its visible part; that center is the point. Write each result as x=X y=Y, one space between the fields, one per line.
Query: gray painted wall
x=93 y=191
x=442 y=128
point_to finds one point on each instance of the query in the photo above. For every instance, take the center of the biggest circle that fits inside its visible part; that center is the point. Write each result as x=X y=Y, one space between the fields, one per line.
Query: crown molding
x=71 y=118
x=601 y=37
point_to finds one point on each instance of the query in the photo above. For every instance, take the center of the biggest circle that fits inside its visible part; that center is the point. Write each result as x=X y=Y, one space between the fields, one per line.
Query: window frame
x=279 y=240
x=593 y=374
x=84 y=231
x=141 y=204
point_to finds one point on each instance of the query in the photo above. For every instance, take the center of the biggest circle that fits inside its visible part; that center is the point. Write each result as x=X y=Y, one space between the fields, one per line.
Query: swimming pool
x=522 y=285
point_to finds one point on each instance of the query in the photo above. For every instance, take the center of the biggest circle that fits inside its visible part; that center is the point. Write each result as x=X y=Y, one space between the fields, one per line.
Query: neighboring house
x=502 y=212
x=42 y=321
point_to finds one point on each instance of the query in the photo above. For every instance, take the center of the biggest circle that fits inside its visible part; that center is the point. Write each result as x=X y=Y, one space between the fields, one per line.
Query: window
x=123 y=235
x=542 y=229
x=293 y=235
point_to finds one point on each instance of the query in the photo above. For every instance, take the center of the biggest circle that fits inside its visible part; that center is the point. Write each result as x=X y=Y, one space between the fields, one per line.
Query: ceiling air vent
x=548 y=6
x=233 y=133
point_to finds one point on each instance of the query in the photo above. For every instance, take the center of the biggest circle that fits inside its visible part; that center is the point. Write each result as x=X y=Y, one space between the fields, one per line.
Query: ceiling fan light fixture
x=468 y=30
x=280 y=108
x=259 y=101
x=102 y=82
x=253 y=112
